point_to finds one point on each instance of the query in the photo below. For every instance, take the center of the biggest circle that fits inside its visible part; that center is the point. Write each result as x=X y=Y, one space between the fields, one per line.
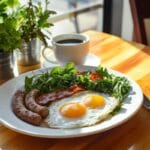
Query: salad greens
x=64 y=77
x=57 y=78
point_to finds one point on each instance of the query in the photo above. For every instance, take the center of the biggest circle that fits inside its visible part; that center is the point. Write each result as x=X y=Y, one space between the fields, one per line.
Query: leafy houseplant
x=34 y=20
x=18 y=26
x=10 y=37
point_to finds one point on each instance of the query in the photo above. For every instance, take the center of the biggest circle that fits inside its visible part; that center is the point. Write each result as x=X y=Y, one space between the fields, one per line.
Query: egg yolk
x=73 y=110
x=94 y=101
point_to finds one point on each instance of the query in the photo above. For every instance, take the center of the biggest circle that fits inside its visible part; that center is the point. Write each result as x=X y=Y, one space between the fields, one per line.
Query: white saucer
x=91 y=60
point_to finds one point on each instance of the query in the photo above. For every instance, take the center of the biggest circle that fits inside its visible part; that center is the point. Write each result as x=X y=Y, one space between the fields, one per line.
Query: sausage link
x=22 y=112
x=33 y=106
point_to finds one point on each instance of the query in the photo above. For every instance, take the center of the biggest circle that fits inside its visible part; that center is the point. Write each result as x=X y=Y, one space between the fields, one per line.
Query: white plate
x=7 y=117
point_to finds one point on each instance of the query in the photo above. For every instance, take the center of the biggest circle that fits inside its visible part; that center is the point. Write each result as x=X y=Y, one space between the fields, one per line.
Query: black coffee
x=70 y=41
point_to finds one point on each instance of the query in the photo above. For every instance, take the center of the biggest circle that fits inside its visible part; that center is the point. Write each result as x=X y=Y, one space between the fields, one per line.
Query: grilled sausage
x=33 y=106
x=22 y=112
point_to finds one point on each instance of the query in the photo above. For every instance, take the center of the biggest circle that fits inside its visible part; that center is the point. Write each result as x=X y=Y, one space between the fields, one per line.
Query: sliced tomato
x=95 y=76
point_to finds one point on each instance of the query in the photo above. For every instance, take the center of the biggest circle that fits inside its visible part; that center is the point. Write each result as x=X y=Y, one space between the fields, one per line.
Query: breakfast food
x=83 y=109
x=33 y=106
x=22 y=112
x=45 y=99
x=69 y=98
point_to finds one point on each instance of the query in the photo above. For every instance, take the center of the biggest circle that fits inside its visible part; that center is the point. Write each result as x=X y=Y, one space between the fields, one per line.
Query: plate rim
x=12 y=127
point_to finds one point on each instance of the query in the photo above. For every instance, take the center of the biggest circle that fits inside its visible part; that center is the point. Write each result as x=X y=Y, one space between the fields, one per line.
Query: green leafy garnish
x=57 y=78
x=63 y=77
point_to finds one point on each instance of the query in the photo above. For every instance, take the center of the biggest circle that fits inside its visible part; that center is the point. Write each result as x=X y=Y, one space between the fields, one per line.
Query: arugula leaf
x=102 y=71
x=58 y=78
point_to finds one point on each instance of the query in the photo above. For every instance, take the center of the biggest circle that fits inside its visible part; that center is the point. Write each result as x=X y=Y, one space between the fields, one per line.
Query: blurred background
x=81 y=15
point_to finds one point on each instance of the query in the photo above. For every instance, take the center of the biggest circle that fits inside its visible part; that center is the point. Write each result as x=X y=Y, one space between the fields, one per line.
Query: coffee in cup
x=70 y=48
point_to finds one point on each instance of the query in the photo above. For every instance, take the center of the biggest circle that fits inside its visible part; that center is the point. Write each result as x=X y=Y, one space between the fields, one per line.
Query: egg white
x=92 y=116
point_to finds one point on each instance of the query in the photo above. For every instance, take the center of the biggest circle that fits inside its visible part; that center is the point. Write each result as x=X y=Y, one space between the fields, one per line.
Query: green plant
x=10 y=37
x=20 y=24
x=35 y=19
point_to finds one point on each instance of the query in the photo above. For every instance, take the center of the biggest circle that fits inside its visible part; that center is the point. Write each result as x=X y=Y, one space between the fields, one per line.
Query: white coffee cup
x=69 y=48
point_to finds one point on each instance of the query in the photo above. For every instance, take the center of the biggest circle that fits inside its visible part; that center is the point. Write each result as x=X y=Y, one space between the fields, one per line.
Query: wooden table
x=130 y=58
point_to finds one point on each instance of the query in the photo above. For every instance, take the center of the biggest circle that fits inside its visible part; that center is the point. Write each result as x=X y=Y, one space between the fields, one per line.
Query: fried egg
x=82 y=109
